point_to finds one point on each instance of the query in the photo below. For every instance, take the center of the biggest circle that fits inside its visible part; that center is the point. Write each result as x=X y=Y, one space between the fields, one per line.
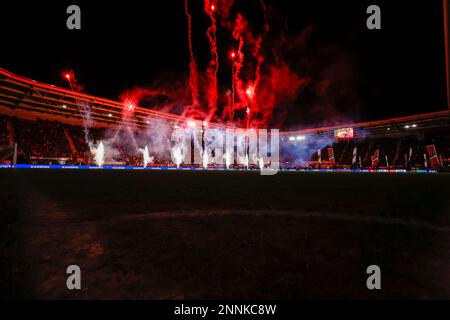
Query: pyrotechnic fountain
x=99 y=154
x=228 y=159
x=261 y=164
x=178 y=157
x=253 y=92
x=146 y=155
x=205 y=159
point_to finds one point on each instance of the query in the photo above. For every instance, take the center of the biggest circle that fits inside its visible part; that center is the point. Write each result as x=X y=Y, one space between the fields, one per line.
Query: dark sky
x=396 y=71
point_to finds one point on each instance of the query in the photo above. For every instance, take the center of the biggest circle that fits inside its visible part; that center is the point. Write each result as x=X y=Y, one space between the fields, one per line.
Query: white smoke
x=300 y=152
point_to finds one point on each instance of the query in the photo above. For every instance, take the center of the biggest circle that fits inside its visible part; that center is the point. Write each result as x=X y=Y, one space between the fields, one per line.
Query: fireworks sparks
x=260 y=80
x=213 y=65
x=146 y=156
x=191 y=124
x=99 y=154
x=193 y=72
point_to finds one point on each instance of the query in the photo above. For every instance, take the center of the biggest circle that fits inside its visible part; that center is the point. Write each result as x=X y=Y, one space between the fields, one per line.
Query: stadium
x=54 y=134
x=96 y=182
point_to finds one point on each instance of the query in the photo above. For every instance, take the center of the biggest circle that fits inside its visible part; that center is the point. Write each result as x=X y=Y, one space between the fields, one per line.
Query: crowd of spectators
x=43 y=141
x=394 y=152
x=4 y=132
x=40 y=140
x=78 y=137
x=5 y=143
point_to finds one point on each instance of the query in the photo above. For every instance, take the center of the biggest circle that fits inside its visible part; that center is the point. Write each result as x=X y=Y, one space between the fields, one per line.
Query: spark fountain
x=260 y=80
x=205 y=159
x=228 y=159
x=178 y=157
x=99 y=154
x=261 y=164
x=146 y=156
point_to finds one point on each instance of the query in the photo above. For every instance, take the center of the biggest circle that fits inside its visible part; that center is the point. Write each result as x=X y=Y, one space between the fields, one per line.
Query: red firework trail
x=238 y=34
x=258 y=87
x=193 y=70
x=257 y=54
x=210 y=7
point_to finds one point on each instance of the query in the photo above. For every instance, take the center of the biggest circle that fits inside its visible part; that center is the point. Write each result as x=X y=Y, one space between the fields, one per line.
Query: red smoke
x=281 y=85
x=210 y=8
x=238 y=34
x=262 y=80
x=156 y=99
x=193 y=71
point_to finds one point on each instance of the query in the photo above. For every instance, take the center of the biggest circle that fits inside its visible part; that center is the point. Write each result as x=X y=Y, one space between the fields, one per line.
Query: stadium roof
x=400 y=125
x=27 y=95
x=21 y=93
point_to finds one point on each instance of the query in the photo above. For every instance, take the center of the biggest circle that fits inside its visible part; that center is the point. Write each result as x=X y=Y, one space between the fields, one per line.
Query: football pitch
x=223 y=235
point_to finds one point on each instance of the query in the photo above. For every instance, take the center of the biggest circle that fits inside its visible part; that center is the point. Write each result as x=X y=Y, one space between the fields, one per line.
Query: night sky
x=396 y=71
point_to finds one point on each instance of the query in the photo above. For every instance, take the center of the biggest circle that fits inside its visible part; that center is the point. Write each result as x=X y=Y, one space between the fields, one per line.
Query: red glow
x=250 y=91
x=213 y=66
x=260 y=81
x=205 y=123
x=129 y=104
x=193 y=71
x=70 y=77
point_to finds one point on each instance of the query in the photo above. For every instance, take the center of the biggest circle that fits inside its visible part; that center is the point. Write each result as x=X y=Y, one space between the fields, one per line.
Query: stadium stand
x=4 y=132
x=46 y=123
x=43 y=142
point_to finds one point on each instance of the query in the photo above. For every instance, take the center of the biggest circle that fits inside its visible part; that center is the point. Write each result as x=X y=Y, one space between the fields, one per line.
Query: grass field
x=218 y=235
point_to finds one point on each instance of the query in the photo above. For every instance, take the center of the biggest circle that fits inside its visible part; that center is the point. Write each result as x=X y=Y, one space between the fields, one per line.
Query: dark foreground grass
x=219 y=234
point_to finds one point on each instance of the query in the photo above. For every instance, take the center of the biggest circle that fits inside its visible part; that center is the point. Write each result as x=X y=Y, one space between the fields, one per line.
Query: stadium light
x=64 y=106
x=300 y=138
x=291 y=138
x=233 y=55
x=414 y=125
x=407 y=126
x=205 y=123
x=109 y=115
x=213 y=7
